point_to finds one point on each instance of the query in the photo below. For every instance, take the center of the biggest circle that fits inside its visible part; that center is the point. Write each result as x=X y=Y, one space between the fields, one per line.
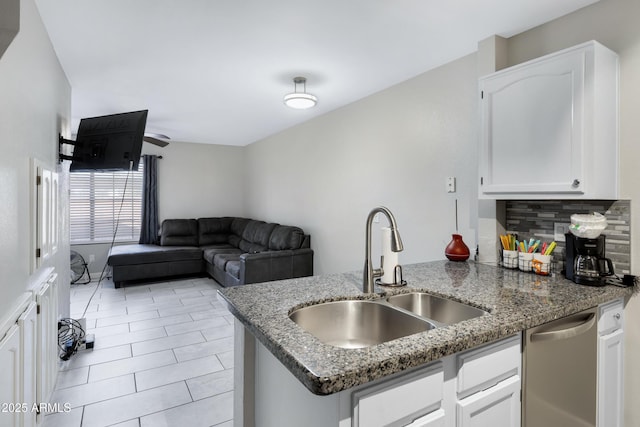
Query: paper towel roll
x=390 y=258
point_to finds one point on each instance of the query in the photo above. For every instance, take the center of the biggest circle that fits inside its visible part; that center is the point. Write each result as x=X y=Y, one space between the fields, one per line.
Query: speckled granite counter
x=515 y=301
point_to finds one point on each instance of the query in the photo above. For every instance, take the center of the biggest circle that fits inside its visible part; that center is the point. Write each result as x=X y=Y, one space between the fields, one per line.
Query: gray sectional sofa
x=234 y=251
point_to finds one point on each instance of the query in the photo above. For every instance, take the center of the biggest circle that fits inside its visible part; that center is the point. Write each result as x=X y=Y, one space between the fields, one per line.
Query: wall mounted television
x=109 y=143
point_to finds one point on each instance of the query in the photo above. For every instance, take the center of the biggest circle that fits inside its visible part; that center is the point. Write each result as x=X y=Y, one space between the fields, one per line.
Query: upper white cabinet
x=550 y=127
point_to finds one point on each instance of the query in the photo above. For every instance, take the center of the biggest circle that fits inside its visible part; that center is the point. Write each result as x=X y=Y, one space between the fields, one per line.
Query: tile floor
x=163 y=356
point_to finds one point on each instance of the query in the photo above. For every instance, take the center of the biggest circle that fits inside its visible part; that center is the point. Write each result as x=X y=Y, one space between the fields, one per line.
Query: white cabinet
x=549 y=127
x=497 y=406
x=488 y=385
x=400 y=401
x=478 y=387
x=610 y=364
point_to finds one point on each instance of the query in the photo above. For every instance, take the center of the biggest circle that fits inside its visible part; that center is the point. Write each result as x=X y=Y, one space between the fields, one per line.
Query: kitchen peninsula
x=271 y=347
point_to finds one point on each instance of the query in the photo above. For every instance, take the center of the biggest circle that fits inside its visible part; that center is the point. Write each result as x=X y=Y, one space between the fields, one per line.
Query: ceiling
x=215 y=71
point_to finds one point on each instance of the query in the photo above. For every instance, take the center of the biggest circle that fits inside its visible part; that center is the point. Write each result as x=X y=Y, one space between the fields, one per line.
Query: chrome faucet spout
x=369 y=272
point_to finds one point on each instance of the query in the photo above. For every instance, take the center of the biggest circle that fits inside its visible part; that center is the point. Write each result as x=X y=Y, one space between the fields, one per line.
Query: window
x=94 y=202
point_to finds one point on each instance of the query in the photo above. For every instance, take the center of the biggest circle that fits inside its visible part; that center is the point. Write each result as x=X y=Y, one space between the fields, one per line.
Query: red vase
x=456 y=250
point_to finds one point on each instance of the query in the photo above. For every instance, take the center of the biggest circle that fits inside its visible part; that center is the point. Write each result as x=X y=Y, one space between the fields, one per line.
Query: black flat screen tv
x=109 y=143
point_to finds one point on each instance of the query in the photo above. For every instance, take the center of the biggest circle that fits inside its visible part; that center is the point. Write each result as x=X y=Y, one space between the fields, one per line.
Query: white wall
x=394 y=148
x=614 y=23
x=198 y=180
x=35 y=102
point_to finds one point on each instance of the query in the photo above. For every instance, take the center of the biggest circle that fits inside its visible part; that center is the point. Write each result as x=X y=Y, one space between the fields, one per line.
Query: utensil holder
x=524 y=261
x=509 y=259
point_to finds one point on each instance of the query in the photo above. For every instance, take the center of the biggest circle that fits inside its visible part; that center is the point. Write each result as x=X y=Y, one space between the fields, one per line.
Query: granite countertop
x=515 y=301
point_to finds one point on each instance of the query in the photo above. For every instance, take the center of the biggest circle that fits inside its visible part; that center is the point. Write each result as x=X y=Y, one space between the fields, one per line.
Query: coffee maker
x=585 y=261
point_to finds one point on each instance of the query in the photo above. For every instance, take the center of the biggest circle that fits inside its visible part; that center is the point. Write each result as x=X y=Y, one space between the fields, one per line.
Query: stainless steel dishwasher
x=560 y=372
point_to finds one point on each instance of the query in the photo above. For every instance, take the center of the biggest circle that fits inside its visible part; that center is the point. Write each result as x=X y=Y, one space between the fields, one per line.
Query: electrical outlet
x=559 y=229
x=451 y=184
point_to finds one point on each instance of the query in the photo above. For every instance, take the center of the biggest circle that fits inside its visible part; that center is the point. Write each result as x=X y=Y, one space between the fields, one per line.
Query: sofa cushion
x=286 y=237
x=212 y=231
x=255 y=237
x=238 y=225
x=147 y=254
x=210 y=253
x=221 y=260
x=179 y=232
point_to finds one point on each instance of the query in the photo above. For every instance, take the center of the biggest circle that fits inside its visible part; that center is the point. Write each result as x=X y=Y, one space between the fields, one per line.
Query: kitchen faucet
x=369 y=272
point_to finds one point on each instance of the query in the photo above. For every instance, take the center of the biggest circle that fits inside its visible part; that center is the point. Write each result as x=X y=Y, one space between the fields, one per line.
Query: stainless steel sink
x=441 y=310
x=357 y=323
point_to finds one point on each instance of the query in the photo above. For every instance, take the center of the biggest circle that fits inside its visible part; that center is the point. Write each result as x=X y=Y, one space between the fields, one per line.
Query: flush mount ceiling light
x=300 y=100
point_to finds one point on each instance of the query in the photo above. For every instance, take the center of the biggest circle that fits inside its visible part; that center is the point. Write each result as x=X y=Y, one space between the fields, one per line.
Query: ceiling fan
x=156 y=139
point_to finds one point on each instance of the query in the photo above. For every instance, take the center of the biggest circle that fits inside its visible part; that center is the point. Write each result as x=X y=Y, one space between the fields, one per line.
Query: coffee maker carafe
x=586 y=263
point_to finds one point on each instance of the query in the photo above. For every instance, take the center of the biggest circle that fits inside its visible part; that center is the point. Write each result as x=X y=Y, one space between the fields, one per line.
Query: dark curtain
x=149 y=226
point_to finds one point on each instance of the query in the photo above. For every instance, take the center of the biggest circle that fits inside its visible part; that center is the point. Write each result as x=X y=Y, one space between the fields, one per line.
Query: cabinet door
x=10 y=390
x=399 y=401
x=434 y=419
x=610 y=379
x=532 y=127
x=497 y=406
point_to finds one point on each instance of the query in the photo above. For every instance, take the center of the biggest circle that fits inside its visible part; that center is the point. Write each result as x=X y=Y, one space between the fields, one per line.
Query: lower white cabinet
x=403 y=400
x=497 y=406
x=479 y=387
x=434 y=419
x=610 y=364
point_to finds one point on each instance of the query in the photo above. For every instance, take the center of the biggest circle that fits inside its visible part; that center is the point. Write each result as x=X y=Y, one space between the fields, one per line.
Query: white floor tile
x=131 y=337
x=106 y=331
x=211 y=384
x=193 y=300
x=127 y=318
x=136 y=302
x=160 y=321
x=196 y=325
x=165 y=343
x=90 y=357
x=131 y=423
x=72 y=377
x=203 y=413
x=179 y=308
x=131 y=365
x=132 y=309
x=226 y=359
x=152 y=359
x=177 y=372
x=116 y=311
x=218 y=332
x=204 y=349
x=95 y=392
x=208 y=314
x=72 y=418
x=136 y=405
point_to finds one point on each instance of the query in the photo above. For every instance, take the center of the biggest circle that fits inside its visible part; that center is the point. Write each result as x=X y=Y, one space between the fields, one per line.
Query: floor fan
x=79 y=269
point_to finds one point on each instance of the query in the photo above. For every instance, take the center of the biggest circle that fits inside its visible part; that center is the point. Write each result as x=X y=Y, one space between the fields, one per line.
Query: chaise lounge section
x=234 y=251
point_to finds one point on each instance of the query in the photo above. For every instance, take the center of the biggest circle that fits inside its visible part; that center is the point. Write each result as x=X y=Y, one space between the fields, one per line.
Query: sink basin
x=441 y=310
x=357 y=323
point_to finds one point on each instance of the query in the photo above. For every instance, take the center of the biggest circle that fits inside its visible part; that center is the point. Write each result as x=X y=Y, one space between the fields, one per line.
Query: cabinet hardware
x=575 y=183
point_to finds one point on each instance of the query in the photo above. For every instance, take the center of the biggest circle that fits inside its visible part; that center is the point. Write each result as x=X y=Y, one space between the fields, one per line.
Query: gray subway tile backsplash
x=536 y=218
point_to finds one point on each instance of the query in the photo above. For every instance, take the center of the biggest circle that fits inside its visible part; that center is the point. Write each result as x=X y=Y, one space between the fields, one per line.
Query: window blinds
x=95 y=200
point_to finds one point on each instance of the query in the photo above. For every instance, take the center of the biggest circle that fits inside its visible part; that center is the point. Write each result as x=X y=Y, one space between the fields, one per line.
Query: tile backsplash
x=536 y=219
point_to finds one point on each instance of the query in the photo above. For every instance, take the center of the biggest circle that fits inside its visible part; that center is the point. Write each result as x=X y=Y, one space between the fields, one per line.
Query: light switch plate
x=559 y=229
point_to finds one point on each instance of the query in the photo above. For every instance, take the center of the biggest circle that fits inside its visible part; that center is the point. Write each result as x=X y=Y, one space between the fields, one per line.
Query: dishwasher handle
x=564 y=333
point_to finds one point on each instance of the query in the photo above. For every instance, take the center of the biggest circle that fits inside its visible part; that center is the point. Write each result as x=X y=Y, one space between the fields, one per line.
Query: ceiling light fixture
x=300 y=100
